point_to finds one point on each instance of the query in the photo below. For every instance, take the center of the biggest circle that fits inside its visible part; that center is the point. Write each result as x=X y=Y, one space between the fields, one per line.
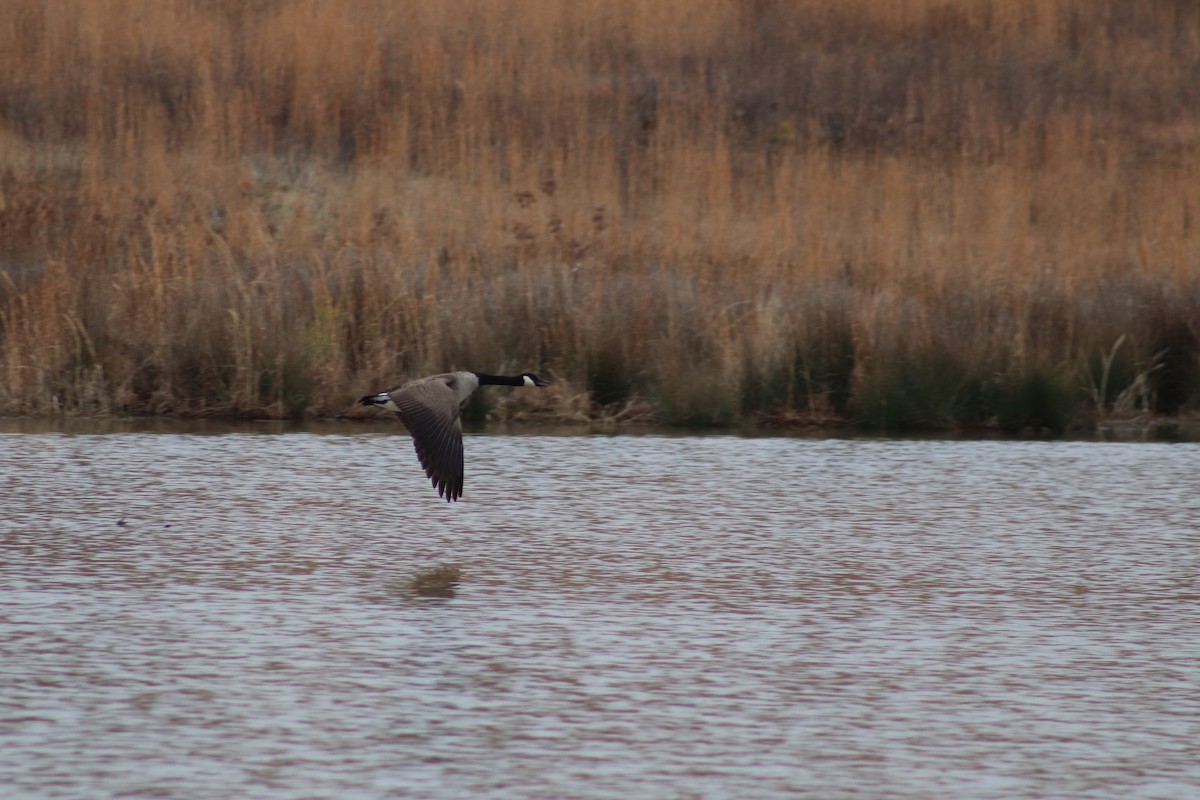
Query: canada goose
x=429 y=408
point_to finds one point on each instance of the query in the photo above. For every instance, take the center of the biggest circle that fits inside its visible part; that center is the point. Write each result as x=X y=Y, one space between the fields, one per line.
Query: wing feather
x=429 y=409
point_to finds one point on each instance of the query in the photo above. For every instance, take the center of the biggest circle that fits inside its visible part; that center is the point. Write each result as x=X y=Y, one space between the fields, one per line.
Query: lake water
x=233 y=615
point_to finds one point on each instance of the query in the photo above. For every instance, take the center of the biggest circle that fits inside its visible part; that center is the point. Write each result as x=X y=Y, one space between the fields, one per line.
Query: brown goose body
x=431 y=410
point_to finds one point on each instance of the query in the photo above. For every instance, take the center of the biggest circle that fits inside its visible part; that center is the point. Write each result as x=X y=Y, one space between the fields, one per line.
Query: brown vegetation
x=906 y=212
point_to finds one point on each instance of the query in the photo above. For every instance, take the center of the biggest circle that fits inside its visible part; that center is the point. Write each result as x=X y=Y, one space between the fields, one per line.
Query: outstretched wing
x=429 y=409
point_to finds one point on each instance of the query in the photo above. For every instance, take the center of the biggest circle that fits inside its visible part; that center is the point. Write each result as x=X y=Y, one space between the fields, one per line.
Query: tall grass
x=907 y=213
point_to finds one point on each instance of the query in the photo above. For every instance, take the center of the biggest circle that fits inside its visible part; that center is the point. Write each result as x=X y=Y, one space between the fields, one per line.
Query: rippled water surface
x=234 y=615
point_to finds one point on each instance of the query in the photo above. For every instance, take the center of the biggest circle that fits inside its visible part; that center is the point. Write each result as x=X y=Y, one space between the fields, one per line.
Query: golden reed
x=701 y=210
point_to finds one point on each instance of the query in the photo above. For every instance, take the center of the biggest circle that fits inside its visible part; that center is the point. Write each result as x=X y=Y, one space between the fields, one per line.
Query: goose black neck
x=500 y=380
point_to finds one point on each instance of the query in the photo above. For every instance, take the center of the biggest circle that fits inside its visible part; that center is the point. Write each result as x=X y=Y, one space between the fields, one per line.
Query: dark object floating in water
x=439 y=581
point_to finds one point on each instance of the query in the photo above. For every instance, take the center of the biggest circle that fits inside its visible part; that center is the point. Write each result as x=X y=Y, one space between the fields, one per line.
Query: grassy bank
x=902 y=213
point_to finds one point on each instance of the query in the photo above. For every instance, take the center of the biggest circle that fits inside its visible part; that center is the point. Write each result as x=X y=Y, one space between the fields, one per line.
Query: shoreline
x=1180 y=429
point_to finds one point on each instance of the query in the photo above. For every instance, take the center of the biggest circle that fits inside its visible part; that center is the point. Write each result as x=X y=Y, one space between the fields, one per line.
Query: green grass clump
x=1040 y=400
x=922 y=394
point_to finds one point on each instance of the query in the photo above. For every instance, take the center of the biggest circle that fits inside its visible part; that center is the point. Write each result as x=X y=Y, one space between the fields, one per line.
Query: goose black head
x=533 y=380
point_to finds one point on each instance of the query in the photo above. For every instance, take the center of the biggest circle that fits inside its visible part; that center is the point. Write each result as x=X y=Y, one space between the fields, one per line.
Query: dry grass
x=800 y=210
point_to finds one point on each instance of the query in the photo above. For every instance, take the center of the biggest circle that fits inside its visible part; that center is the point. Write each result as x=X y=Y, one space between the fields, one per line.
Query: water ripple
x=189 y=616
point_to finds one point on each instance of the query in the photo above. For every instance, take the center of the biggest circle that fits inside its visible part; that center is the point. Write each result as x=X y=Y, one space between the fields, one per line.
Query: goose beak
x=539 y=382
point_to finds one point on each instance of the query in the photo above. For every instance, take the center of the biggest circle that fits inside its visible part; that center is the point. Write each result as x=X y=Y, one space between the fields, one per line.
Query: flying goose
x=429 y=408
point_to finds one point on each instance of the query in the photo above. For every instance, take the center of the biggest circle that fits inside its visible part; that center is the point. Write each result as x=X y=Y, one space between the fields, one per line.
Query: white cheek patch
x=389 y=405
x=529 y=381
